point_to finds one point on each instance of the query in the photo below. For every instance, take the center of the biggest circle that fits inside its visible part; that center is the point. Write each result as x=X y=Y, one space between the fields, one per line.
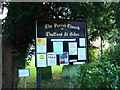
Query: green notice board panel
x=61 y=42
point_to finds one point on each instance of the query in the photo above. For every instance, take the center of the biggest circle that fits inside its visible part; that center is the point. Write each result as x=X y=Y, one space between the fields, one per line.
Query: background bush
x=112 y=54
x=98 y=75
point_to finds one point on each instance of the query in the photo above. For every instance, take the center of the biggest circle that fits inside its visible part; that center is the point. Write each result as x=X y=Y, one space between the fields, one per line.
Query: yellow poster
x=41 y=41
x=41 y=60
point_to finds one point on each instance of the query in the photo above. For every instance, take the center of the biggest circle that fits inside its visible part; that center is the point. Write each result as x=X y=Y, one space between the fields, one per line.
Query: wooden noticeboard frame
x=70 y=36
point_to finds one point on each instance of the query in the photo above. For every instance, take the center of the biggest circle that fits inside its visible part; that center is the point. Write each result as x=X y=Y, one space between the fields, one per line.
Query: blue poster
x=64 y=59
x=58 y=47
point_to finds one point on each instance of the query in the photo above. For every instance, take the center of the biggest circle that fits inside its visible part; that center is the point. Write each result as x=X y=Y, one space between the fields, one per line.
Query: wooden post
x=38 y=78
x=24 y=82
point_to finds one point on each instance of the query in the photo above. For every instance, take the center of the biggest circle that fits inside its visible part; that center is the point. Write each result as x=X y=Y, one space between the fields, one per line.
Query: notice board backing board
x=65 y=40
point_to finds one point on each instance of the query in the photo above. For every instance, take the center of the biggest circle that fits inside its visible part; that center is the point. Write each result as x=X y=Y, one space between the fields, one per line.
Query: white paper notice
x=41 y=60
x=41 y=49
x=73 y=60
x=58 y=47
x=51 y=59
x=82 y=41
x=24 y=73
x=81 y=53
x=63 y=39
x=72 y=48
x=74 y=63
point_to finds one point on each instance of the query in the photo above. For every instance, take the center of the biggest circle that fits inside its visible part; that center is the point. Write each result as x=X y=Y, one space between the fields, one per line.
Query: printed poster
x=41 y=60
x=41 y=49
x=41 y=45
x=72 y=48
x=64 y=59
x=81 y=53
x=24 y=73
x=81 y=41
x=41 y=41
x=51 y=59
x=58 y=47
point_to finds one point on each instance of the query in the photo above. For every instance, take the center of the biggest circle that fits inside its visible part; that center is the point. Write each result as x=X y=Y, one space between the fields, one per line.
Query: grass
x=52 y=83
x=32 y=68
x=56 y=72
x=56 y=82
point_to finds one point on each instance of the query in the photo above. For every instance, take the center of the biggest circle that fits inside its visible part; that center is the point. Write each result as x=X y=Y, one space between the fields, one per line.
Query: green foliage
x=98 y=75
x=92 y=54
x=102 y=72
x=113 y=54
x=113 y=37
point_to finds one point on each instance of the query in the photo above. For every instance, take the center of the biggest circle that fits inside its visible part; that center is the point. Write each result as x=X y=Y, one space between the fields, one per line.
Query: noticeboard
x=61 y=42
x=23 y=73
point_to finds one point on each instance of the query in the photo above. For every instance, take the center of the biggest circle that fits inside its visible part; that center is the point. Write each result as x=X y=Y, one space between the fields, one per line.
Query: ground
x=56 y=82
